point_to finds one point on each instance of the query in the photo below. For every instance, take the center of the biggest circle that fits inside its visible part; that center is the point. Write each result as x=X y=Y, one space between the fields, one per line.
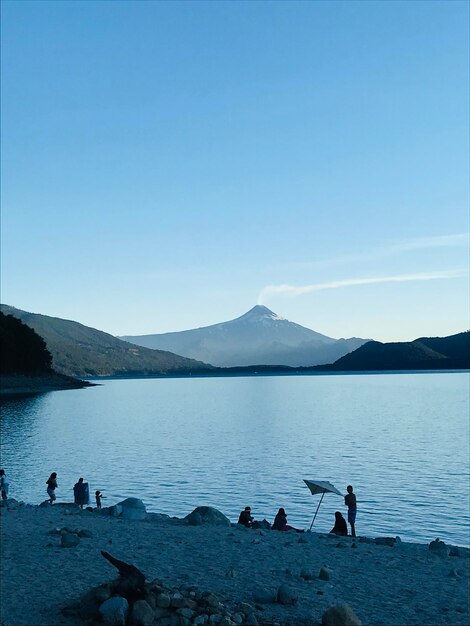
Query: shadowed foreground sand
x=404 y=584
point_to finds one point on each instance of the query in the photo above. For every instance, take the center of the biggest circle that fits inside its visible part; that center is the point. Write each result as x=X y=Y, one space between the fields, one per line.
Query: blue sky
x=169 y=165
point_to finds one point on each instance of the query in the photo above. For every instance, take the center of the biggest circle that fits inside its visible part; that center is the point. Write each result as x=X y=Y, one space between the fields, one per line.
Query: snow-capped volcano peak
x=260 y=312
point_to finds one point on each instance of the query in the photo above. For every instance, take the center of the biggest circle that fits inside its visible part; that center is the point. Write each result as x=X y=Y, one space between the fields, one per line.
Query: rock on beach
x=207 y=515
x=341 y=615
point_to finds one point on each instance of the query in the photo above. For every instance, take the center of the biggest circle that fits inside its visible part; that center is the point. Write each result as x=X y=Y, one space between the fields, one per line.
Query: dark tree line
x=22 y=351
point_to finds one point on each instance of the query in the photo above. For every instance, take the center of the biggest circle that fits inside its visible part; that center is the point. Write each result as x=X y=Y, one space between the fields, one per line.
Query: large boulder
x=286 y=595
x=340 y=615
x=114 y=611
x=207 y=515
x=132 y=508
x=142 y=614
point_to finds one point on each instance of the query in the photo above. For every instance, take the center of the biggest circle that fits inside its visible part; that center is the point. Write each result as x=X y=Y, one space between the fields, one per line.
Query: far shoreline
x=272 y=374
x=21 y=385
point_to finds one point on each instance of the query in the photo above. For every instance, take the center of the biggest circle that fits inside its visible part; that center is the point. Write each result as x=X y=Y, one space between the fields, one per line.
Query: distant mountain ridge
x=425 y=353
x=79 y=350
x=259 y=337
x=82 y=351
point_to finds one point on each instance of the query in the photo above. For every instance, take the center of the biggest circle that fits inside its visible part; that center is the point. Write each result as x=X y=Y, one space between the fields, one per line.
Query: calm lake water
x=402 y=441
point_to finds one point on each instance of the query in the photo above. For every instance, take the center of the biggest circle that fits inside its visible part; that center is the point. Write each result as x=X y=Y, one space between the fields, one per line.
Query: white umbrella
x=320 y=486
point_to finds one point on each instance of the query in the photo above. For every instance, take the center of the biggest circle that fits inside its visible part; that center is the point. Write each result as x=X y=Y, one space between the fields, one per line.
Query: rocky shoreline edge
x=22 y=384
x=204 y=570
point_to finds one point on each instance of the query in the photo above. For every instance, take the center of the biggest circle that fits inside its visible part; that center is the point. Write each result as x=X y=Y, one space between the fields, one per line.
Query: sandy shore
x=19 y=384
x=406 y=584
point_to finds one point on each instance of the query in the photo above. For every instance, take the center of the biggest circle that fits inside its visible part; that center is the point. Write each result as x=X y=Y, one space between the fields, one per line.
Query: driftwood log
x=131 y=580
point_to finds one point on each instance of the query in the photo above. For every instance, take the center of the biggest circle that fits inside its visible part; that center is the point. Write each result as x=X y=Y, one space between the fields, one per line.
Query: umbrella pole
x=316 y=511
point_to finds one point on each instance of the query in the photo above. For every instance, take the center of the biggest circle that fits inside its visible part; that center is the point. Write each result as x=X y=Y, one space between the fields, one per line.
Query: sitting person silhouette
x=340 y=527
x=245 y=517
x=280 y=522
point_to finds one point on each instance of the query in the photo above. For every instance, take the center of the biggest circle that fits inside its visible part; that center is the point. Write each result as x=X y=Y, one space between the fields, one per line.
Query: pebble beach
x=389 y=583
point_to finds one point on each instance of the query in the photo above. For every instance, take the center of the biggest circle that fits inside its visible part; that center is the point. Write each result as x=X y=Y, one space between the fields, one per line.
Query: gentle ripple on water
x=402 y=440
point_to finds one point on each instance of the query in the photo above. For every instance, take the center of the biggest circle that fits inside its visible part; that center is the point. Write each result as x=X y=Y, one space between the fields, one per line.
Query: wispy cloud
x=390 y=249
x=442 y=241
x=298 y=290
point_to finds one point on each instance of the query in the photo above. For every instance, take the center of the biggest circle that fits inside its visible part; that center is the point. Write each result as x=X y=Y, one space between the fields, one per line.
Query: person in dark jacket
x=280 y=522
x=340 y=527
x=245 y=517
x=80 y=493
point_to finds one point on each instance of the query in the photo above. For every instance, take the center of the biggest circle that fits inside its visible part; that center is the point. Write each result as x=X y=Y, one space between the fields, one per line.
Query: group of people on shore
x=81 y=496
x=280 y=521
x=81 y=493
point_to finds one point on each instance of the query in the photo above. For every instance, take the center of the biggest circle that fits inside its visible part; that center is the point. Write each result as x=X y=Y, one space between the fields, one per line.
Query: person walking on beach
x=245 y=517
x=350 y=502
x=4 y=484
x=80 y=493
x=51 y=483
x=280 y=522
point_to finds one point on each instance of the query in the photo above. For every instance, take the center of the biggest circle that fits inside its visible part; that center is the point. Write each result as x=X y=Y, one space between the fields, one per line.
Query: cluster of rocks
x=121 y=603
x=70 y=538
x=132 y=601
x=112 y=605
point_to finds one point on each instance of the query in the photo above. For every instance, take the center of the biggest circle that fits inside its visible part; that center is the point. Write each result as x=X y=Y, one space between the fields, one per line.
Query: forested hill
x=79 y=350
x=426 y=353
x=22 y=350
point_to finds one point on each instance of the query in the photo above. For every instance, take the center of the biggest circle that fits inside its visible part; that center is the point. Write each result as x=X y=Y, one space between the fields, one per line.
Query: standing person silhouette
x=98 y=498
x=51 y=483
x=81 y=493
x=4 y=484
x=350 y=502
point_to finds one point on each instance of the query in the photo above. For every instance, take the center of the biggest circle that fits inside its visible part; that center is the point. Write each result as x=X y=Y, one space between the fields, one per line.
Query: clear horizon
x=167 y=166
